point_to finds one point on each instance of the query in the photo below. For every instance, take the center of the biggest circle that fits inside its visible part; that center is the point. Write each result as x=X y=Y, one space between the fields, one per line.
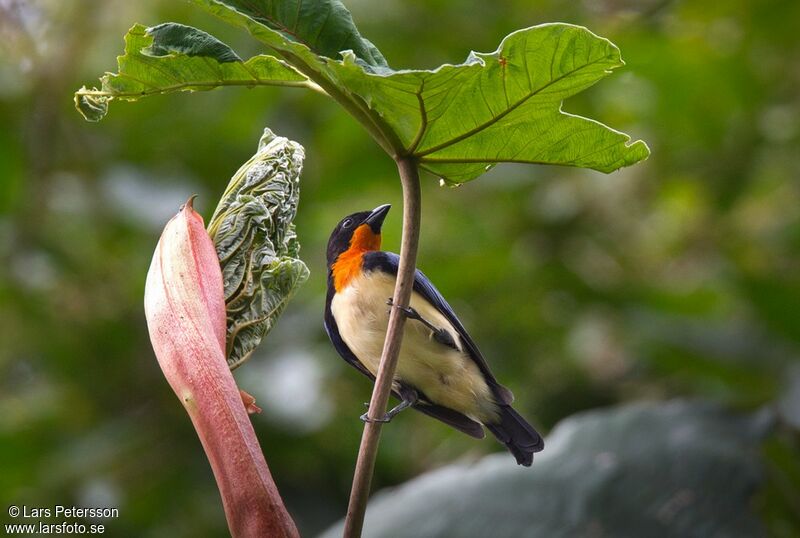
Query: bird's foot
x=409 y=398
x=383 y=420
x=410 y=312
x=440 y=335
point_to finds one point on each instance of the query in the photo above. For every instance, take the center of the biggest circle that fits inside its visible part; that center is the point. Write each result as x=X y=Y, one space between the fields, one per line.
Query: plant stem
x=367 y=452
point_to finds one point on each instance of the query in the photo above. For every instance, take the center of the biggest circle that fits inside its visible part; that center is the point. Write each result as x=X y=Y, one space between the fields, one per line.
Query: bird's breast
x=447 y=376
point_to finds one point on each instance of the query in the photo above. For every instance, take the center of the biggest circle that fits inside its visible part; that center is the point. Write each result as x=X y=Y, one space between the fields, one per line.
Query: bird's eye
x=347 y=223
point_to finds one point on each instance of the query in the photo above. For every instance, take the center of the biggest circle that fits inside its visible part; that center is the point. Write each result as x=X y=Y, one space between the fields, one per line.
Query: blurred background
x=676 y=277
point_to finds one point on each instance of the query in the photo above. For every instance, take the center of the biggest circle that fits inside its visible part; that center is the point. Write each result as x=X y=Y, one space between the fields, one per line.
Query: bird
x=440 y=370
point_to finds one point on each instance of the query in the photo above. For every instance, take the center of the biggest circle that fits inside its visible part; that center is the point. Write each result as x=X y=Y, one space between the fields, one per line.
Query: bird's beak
x=375 y=219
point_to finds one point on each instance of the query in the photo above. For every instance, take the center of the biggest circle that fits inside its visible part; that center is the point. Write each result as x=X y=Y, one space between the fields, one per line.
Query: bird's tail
x=521 y=439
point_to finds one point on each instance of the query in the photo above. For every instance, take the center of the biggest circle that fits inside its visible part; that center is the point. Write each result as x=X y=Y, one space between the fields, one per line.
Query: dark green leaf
x=460 y=120
x=172 y=57
x=677 y=469
x=170 y=37
x=324 y=26
x=457 y=120
x=502 y=107
x=254 y=234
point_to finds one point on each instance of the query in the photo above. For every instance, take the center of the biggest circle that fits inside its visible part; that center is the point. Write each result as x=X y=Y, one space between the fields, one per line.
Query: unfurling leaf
x=256 y=242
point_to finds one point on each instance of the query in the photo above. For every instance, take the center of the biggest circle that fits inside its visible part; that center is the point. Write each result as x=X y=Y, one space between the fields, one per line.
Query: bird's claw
x=440 y=335
x=410 y=312
x=384 y=419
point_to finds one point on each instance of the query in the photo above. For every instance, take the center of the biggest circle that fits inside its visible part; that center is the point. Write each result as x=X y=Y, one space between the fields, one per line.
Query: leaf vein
x=503 y=114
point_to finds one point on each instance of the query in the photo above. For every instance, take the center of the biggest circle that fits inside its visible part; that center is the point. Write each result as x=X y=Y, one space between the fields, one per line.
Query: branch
x=367 y=452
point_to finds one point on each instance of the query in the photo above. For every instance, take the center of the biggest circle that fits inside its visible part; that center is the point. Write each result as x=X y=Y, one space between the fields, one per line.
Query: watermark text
x=55 y=519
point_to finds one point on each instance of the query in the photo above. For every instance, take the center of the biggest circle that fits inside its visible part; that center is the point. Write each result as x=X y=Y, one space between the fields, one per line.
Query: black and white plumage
x=440 y=371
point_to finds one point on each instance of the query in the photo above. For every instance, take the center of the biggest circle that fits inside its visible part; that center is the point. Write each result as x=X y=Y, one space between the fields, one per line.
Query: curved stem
x=367 y=452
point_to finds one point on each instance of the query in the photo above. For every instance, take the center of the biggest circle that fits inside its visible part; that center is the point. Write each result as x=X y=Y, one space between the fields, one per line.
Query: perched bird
x=440 y=370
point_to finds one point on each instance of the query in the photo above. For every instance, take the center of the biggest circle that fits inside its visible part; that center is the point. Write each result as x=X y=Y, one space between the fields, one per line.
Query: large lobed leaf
x=457 y=121
x=502 y=107
x=172 y=57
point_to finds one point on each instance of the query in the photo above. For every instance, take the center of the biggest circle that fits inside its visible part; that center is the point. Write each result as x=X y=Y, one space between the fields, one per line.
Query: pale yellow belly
x=447 y=376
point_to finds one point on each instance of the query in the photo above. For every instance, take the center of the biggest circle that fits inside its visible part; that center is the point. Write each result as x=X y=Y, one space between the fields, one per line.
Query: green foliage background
x=678 y=276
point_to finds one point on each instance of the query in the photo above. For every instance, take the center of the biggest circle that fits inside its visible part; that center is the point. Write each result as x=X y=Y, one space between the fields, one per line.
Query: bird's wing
x=336 y=339
x=389 y=262
x=450 y=417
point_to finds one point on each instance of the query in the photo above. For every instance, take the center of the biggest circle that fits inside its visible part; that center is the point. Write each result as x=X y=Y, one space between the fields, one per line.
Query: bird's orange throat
x=348 y=265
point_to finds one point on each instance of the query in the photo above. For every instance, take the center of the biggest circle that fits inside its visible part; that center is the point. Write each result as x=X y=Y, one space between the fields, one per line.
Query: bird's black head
x=358 y=232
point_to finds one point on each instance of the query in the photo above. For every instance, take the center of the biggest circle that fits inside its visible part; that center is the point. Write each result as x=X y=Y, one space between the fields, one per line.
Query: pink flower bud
x=185 y=311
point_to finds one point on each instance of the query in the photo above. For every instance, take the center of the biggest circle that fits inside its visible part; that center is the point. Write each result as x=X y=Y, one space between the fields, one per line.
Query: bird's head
x=357 y=232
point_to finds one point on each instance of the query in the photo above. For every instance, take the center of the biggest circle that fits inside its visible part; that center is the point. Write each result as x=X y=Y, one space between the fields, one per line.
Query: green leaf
x=310 y=56
x=504 y=106
x=324 y=26
x=680 y=468
x=456 y=121
x=172 y=57
x=459 y=120
x=171 y=37
x=254 y=234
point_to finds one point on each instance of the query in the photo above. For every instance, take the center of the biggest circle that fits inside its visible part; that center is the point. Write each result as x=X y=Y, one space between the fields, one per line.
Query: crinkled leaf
x=256 y=243
x=172 y=57
x=459 y=120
